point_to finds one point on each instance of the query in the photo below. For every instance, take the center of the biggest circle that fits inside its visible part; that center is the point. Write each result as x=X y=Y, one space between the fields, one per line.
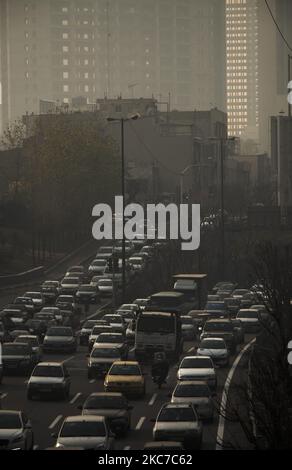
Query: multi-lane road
x=47 y=416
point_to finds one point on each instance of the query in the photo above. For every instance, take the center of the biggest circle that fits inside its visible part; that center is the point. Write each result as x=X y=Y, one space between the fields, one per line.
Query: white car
x=117 y=321
x=105 y=286
x=250 y=319
x=15 y=431
x=37 y=298
x=137 y=263
x=216 y=349
x=85 y=432
x=69 y=285
x=97 y=266
x=198 y=368
x=198 y=393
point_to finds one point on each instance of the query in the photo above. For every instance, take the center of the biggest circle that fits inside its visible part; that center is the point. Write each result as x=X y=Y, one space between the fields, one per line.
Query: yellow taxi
x=125 y=377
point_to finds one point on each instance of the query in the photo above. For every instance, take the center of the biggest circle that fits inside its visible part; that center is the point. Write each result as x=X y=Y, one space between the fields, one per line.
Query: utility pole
x=222 y=155
x=123 y=214
x=289 y=80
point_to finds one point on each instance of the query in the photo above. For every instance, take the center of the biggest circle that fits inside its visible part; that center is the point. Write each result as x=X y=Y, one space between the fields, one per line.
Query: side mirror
x=54 y=435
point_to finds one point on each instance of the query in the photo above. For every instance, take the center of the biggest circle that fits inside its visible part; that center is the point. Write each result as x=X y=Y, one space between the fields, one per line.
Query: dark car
x=4 y=333
x=37 y=327
x=221 y=328
x=60 y=339
x=113 y=406
x=16 y=316
x=26 y=302
x=17 y=358
x=86 y=330
x=50 y=290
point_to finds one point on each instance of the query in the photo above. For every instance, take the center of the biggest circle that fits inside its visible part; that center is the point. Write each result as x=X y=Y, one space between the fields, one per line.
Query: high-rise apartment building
x=61 y=49
x=242 y=67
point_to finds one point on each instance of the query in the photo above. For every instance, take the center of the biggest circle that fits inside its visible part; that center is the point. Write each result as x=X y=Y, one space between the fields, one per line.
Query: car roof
x=103 y=346
x=50 y=364
x=127 y=363
x=11 y=412
x=27 y=336
x=196 y=357
x=84 y=418
x=191 y=382
x=221 y=340
x=106 y=394
x=177 y=405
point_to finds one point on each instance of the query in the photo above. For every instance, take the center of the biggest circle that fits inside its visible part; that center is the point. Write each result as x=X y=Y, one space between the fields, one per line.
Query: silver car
x=33 y=341
x=179 y=422
x=197 y=393
x=60 y=339
x=101 y=359
x=49 y=378
x=216 y=349
x=85 y=432
x=15 y=431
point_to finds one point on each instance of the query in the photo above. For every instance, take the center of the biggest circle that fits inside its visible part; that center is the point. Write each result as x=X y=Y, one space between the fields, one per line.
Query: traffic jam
x=80 y=372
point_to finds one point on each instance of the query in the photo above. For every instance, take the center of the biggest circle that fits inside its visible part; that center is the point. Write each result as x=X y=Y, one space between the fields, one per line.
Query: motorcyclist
x=160 y=368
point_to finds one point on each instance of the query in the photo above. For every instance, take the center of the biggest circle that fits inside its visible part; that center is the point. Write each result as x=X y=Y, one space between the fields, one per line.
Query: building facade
x=57 y=50
x=242 y=68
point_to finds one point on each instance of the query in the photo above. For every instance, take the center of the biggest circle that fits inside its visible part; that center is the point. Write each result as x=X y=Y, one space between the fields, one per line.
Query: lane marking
x=68 y=359
x=127 y=448
x=151 y=402
x=35 y=447
x=191 y=349
x=92 y=381
x=224 y=399
x=140 y=423
x=3 y=395
x=55 y=422
x=75 y=398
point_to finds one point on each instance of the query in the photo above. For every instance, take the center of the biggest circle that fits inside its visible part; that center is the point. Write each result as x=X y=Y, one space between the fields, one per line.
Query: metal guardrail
x=19 y=278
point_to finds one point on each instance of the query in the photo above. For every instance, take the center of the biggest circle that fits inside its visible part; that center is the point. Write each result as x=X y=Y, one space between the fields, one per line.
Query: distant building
x=57 y=50
x=281 y=153
x=242 y=68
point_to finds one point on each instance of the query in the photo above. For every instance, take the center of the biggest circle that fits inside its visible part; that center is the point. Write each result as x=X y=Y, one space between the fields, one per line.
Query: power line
x=277 y=26
x=150 y=151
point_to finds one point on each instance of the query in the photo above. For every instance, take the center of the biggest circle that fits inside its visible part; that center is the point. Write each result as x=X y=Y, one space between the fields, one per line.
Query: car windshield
x=48 y=371
x=33 y=295
x=99 y=262
x=113 y=318
x=22 y=339
x=58 y=331
x=109 y=338
x=215 y=306
x=192 y=390
x=14 y=349
x=99 y=328
x=177 y=414
x=50 y=284
x=121 y=369
x=65 y=299
x=83 y=429
x=105 y=282
x=156 y=324
x=70 y=280
x=187 y=321
x=10 y=421
x=98 y=352
x=249 y=314
x=89 y=324
x=15 y=314
x=211 y=344
x=87 y=288
x=218 y=326
x=22 y=300
x=105 y=403
x=196 y=363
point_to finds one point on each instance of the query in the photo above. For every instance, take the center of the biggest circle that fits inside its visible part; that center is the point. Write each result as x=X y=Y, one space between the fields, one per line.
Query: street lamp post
x=122 y=121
